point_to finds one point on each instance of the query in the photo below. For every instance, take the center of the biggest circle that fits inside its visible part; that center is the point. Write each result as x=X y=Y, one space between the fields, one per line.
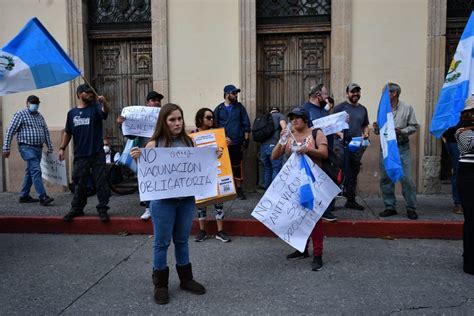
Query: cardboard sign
x=139 y=120
x=215 y=138
x=53 y=170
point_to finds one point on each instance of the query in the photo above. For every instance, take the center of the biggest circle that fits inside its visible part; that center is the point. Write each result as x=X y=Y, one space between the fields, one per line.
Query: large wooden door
x=122 y=72
x=288 y=64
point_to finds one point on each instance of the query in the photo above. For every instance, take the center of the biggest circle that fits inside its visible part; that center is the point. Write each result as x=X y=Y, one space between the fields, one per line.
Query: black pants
x=465 y=183
x=351 y=171
x=83 y=168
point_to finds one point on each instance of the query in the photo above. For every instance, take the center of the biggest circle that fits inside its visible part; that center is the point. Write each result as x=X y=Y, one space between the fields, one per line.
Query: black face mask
x=323 y=103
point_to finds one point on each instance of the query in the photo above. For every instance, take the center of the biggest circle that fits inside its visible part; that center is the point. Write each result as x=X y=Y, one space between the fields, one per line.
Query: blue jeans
x=453 y=151
x=32 y=156
x=271 y=167
x=408 y=185
x=171 y=218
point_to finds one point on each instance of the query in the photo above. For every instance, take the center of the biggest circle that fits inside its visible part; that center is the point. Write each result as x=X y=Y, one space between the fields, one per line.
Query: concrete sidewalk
x=111 y=275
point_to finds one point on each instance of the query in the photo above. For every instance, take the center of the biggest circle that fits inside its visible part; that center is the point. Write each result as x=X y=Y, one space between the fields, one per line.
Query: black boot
x=160 y=280
x=240 y=194
x=185 y=274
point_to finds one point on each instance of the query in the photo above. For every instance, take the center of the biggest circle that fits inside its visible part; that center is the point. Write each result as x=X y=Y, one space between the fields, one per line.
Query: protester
x=319 y=105
x=316 y=149
x=171 y=217
x=31 y=133
x=233 y=116
x=465 y=181
x=451 y=147
x=358 y=126
x=204 y=121
x=405 y=124
x=153 y=99
x=84 y=126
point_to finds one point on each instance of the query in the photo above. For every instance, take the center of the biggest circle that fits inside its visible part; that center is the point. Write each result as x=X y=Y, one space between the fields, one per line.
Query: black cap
x=274 y=109
x=33 y=99
x=83 y=88
x=154 y=95
x=352 y=86
x=299 y=111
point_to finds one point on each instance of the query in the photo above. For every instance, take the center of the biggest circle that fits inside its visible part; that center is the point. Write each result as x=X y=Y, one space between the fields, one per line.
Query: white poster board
x=279 y=208
x=139 y=120
x=332 y=123
x=177 y=172
x=53 y=170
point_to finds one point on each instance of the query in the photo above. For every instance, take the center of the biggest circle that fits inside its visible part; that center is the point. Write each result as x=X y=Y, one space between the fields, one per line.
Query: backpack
x=263 y=128
x=332 y=166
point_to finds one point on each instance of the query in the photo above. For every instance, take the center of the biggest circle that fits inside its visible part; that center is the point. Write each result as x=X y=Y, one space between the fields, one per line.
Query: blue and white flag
x=388 y=138
x=34 y=60
x=307 y=192
x=458 y=84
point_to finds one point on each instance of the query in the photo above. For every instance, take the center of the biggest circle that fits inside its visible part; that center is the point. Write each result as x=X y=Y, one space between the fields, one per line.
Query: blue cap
x=301 y=112
x=230 y=88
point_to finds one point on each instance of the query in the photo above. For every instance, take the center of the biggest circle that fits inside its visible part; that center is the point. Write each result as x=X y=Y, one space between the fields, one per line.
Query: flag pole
x=88 y=83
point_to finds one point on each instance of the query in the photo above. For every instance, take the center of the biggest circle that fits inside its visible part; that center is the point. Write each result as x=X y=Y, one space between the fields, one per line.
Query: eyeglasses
x=209 y=117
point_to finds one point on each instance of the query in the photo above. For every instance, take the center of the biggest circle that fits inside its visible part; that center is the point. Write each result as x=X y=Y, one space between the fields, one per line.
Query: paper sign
x=53 y=170
x=332 y=123
x=177 y=172
x=279 y=208
x=139 y=120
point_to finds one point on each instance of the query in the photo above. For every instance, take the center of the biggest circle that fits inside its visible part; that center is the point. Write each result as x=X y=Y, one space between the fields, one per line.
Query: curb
x=234 y=227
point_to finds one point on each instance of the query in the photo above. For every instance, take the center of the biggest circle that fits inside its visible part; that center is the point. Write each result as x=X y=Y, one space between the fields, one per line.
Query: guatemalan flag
x=388 y=138
x=307 y=192
x=34 y=60
x=458 y=84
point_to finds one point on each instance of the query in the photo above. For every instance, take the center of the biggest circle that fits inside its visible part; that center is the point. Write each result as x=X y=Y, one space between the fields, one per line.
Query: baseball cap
x=275 y=108
x=33 y=99
x=230 y=88
x=83 y=88
x=299 y=111
x=314 y=89
x=154 y=95
x=351 y=86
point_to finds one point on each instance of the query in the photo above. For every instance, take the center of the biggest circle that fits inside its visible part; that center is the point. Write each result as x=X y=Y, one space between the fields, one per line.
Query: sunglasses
x=209 y=117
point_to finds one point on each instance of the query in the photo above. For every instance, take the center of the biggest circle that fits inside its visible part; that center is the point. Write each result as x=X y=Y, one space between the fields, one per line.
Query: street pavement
x=111 y=275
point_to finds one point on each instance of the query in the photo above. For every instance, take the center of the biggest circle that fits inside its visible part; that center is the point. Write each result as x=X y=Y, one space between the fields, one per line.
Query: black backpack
x=332 y=166
x=263 y=128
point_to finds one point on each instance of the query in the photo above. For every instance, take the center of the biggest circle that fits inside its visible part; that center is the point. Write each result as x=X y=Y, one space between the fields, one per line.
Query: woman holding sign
x=172 y=218
x=301 y=141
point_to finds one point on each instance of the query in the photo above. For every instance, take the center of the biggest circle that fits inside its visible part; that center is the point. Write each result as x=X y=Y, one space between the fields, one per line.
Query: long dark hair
x=199 y=119
x=162 y=131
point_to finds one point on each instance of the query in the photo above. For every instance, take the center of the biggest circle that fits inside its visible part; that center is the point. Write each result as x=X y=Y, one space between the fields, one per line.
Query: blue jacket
x=235 y=123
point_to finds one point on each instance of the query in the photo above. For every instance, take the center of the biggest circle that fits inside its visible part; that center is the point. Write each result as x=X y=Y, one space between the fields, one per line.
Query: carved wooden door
x=288 y=65
x=122 y=72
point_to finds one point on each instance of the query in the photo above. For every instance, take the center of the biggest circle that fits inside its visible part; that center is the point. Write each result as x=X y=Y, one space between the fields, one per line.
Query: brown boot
x=160 y=280
x=185 y=274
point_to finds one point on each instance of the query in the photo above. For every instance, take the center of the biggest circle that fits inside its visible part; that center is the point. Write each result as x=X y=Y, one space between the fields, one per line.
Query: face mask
x=33 y=107
x=327 y=107
x=107 y=149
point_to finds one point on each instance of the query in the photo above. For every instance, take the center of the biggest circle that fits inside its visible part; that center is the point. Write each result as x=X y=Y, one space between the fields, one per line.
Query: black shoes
x=298 y=255
x=222 y=236
x=27 y=199
x=201 y=236
x=354 y=205
x=387 y=213
x=70 y=216
x=317 y=263
x=411 y=214
x=104 y=217
x=46 y=200
x=240 y=194
x=329 y=216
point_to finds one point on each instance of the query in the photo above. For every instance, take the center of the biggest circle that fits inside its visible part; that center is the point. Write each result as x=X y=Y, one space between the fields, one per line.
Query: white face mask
x=327 y=107
x=34 y=107
x=107 y=149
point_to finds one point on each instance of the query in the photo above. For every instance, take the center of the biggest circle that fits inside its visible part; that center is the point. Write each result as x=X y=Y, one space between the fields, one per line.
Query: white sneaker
x=147 y=215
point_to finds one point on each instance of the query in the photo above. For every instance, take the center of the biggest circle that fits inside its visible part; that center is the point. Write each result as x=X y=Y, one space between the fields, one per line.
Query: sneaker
x=27 y=199
x=411 y=214
x=222 y=236
x=70 y=216
x=317 y=263
x=241 y=195
x=328 y=216
x=354 y=205
x=201 y=236
x=458 y=209
x=147 y=215
x=46 y=200
x=387 y=213
x=298 y=255
x=104 y=217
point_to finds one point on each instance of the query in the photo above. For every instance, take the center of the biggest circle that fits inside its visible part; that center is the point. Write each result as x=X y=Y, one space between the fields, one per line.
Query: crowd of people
x=172 y=218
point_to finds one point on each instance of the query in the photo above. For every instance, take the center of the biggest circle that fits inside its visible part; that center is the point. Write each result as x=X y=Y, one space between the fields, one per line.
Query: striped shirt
x=465 y=140
x=30 y=129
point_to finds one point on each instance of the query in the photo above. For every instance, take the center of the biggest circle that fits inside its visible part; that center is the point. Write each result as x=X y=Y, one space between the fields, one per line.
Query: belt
x=36 y=146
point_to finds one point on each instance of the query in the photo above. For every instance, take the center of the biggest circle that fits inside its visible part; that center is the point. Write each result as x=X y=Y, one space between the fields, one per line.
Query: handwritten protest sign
x=53 y=170
x=332 y=123
x=225 y=180
x=177 y=172
x=139 y=120
x=279 y=208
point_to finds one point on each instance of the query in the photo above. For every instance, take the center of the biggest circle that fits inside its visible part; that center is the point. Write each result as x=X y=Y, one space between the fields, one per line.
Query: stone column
x=341 y=41
x=436 y=50
x=159 y=42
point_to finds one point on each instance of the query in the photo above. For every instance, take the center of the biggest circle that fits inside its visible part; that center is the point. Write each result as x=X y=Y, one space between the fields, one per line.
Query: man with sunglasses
x=233 y=116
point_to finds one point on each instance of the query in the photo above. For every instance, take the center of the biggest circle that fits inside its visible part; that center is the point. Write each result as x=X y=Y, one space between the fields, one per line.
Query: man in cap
x=358 y=127
x=233 y=116
x=84 y=125
x=31 y=133
x=153 y=99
